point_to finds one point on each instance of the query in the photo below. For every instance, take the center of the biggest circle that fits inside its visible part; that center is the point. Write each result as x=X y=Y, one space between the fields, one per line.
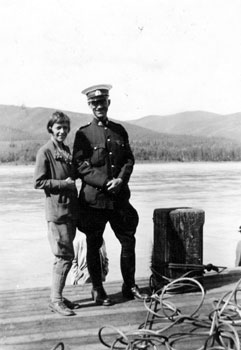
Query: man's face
x=100 y=107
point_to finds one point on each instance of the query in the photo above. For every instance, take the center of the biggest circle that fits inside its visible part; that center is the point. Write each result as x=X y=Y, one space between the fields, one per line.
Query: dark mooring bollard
x=178 y=241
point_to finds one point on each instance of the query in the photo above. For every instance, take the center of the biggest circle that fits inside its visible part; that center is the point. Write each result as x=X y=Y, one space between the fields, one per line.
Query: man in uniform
x=104 y=162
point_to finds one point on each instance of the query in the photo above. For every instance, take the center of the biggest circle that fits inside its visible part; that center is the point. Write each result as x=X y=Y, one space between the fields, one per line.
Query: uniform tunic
x=101 y=153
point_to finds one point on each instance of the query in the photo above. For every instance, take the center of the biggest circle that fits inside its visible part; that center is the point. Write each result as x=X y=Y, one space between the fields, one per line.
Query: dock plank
x=26 y=323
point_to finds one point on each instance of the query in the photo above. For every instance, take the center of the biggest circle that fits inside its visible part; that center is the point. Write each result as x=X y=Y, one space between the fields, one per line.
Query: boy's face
x=60 y=131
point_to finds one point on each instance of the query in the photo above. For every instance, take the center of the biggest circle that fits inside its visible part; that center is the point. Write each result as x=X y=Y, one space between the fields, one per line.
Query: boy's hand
x=71 y=183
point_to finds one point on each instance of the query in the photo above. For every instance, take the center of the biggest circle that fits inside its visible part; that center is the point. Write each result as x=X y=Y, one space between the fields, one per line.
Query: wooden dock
x=26 y=323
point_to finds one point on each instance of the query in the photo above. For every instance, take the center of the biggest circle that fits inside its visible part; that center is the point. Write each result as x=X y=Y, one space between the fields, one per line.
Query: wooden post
x=178 y=240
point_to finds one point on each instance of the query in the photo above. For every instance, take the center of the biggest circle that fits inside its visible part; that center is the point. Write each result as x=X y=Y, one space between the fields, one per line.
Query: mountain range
x=196 y=123
x=24 y=123
x=187 y=136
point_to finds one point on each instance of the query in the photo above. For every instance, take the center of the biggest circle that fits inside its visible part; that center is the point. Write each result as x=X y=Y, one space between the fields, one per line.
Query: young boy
x=53 y=174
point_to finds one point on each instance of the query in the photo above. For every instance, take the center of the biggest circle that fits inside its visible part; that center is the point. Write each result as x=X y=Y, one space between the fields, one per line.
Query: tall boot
x=128 y=268
x=94 y=267
x=129 y=289
x=98 y=293
x=60 y=271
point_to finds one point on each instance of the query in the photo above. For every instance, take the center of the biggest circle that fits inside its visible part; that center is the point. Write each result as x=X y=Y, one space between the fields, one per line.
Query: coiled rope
x=217 y=331
x=166 y=327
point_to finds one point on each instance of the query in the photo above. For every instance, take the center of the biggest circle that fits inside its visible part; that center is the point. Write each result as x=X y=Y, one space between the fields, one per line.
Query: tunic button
x=110 y=153
x=108 y=139
x=112 y=166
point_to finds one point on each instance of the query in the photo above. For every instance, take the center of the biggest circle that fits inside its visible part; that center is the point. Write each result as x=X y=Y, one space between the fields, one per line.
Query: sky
x=161 y=56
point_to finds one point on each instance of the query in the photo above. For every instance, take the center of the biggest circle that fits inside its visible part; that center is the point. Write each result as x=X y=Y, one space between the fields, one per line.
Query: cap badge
x=97 y=93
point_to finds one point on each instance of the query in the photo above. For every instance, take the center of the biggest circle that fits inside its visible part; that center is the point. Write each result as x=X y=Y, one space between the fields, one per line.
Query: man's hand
x=71 y=183
x=114 y=185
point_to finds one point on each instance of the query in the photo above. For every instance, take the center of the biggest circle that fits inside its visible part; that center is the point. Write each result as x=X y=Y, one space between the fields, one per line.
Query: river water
x=25 y=257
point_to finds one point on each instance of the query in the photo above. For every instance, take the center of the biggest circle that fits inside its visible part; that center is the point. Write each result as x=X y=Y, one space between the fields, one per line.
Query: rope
x=58 y=346
x=157 y=280
x=217 y=331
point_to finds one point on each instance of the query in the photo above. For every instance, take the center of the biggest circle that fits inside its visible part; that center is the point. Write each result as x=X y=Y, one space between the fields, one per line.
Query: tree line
x=215 y=152
x=24 y=152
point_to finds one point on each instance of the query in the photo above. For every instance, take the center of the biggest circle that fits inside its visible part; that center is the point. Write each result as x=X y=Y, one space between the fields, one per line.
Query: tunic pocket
x=99 y=154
